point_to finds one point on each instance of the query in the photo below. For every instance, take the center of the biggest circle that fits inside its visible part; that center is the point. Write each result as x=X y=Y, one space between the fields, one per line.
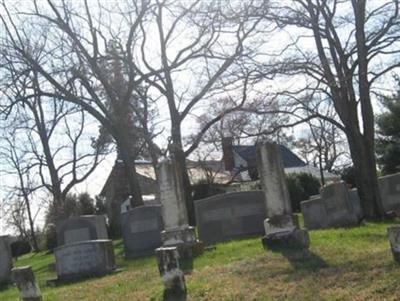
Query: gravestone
x=177 y=232
x=314 y=213
x=81 y=228
x=141 y=230
x=84 y=259
x=5 y=259
x=26 y=283
x=281 y=229
x=228 y=216
x=338 y=207
x=389 y=187
x=171 y=274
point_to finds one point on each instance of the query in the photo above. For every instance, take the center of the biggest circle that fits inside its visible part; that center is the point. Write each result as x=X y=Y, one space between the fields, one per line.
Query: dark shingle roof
x=248 y=153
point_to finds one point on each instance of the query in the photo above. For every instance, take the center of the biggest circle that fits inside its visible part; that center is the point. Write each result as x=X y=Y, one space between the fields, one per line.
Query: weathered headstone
x=171 y=274
x=338 y=207
x=81 y=228
x=177 y=231
x=394 y=239
x=230 y=215
x=26 y=283
x=280 y=227
x=356 y=203
x=84 y=259
x=141 y=230
x=389 y=187
x=5 y=259
x=314 y=213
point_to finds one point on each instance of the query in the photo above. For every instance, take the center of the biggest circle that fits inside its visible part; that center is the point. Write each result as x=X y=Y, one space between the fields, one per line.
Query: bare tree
x=355 y=46
x=19 y=200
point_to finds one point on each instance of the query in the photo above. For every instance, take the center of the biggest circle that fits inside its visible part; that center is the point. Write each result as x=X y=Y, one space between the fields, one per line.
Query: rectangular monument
x=81 y=228
x=314 y=213
x=281 y=229
x=6 y=262
x=228 y=216
x=84 y=259
x=338 y=207
x=141 y=230
x=389 y=187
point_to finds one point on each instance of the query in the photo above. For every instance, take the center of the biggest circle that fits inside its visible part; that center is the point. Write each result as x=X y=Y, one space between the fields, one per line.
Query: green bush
x=301 y=186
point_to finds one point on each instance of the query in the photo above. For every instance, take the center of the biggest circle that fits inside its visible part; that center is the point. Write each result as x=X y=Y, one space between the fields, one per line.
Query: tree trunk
x=130 y=170
x=364 y=162
x=32 y=227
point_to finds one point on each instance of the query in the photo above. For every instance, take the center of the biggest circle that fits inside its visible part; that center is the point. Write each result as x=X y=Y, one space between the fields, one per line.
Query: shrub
x=349 y=176
x=301 y=186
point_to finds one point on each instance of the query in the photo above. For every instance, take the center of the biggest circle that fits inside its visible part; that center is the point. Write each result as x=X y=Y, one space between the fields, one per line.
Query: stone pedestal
x=394 y=239
x=5 y=259
x=171 y=274
x=281 y=228
x=26 y=283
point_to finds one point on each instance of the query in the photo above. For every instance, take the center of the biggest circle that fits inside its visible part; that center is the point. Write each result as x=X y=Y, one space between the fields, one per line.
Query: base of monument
x=58 y=281
x=138 y=254
x=293 y=239
x=177 y=236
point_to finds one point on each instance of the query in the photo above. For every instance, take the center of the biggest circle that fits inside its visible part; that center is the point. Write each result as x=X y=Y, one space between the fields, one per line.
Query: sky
x=95 y=182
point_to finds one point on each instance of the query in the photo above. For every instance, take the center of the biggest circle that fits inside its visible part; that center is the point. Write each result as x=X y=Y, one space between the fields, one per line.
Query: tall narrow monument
x=177 y=232
x=281 y=227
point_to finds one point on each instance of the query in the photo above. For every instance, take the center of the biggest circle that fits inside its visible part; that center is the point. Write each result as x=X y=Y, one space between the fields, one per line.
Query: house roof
x=248 y=153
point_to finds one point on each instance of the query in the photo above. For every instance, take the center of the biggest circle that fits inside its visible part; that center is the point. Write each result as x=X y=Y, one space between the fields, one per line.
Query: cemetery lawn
x=342 y=264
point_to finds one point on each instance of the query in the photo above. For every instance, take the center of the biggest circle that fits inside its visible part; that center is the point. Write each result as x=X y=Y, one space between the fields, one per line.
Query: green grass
x=342 y=264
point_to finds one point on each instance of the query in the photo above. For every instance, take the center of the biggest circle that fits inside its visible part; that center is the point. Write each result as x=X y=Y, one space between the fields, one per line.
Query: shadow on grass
x=5 y=286
x=302 y=259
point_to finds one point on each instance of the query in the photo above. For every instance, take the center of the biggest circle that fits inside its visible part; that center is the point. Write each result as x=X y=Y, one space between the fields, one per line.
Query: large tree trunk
x=362 y=153
x=125 y=154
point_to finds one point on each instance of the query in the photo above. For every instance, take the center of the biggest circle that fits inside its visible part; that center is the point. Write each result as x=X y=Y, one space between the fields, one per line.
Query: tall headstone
x=281 y=228
x=5 y=259
x=177 y=232
x=26 y=283
x=141 y=230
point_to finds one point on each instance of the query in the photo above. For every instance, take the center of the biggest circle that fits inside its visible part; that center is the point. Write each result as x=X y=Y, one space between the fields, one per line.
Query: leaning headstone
x=394 y=239
x=84 y=259
x=227 y=216
x=177 y=231
x=141 y=230
x=81 y=228
x=314 y=213
x=338 y=207
x=171 y=274
x=26 y=283
x=389 y=187
x=281 y=229
x=5 y=259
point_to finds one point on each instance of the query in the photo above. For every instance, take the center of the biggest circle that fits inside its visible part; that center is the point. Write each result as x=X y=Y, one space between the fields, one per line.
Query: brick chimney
x=227 y=151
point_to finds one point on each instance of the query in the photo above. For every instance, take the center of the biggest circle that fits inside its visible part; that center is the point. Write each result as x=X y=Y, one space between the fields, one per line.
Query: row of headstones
x=337 y=206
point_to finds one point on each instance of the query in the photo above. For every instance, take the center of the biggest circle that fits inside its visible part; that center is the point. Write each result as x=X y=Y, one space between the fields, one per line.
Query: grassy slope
x=353 y=264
